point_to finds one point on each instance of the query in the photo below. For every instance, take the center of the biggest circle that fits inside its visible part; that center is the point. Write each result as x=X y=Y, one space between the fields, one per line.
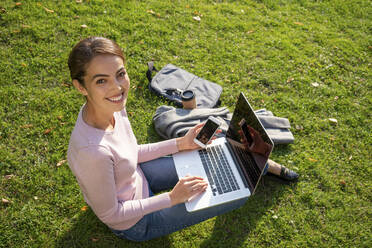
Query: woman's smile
x=116 y=99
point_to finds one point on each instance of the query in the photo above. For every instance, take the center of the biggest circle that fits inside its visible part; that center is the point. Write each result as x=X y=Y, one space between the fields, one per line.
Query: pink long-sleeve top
x=105 y=164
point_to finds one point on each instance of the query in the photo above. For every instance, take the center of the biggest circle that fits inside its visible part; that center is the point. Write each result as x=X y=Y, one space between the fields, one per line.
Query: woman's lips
x=116 y=99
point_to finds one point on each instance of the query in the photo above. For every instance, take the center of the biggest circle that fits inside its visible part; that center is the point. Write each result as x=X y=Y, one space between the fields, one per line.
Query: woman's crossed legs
x=161 y=175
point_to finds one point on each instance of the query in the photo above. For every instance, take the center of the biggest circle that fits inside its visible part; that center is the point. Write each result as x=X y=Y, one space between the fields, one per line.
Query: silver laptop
x=233 y=165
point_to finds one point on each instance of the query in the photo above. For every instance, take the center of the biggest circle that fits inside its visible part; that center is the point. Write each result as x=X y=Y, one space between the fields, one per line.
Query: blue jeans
x=161 y=175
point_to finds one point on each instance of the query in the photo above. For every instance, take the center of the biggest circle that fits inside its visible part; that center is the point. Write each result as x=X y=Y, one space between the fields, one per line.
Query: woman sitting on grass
x=104 y=155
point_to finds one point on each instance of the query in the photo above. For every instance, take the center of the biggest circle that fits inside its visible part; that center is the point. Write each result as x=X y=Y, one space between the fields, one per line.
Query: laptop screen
x=249 y=141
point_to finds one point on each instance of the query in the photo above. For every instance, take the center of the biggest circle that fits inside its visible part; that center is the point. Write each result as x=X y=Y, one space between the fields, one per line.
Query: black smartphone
x=207 y=132
x=244 y=127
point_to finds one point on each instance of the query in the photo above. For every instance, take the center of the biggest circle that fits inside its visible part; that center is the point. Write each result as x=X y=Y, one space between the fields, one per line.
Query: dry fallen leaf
x=250 y=31
x=18 y=4
x=7 y=177
x=94 y=239
x=49 y=10
x=48 y=130
x=23 y=64
x=27 y=126
x=299 y=127
x=290 y=80
x=84 y=208
x=5 y=201
x=343 y=183
x=60 y=117
x=150 y=11
x=25 y=26
x=61 y=162
x=313 y=160
x=333 y=121
x=79 y=1
x=299 y=23
x=196 y=18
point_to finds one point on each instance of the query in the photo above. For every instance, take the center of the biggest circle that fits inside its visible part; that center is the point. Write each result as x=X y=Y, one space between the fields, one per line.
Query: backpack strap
x=150 y=69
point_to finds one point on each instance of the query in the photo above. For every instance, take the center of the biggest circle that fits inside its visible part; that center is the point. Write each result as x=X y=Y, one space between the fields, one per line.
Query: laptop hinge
x=239 y=166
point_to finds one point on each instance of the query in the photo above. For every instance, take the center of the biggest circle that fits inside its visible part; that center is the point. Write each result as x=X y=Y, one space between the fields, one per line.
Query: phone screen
x=207 y=131
x=246 y=132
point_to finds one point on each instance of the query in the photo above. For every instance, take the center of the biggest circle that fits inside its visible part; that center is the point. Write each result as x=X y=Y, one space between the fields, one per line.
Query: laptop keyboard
x=218 y=170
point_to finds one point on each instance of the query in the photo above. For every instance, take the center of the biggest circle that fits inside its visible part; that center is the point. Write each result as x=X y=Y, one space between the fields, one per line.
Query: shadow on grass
x=89 y=231
x=232 y=229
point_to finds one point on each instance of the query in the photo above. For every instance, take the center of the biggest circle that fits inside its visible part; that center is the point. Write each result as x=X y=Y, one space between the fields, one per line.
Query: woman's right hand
x=186 y=188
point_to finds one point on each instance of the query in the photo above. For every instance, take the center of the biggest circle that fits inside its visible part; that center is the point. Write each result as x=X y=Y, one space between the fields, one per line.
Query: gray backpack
x=171 y=81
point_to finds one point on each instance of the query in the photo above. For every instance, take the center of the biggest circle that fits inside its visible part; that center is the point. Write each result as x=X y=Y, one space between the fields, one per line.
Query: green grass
x=271 y=50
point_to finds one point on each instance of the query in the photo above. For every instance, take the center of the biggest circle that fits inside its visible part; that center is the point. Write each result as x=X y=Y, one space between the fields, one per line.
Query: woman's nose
x=117 y=83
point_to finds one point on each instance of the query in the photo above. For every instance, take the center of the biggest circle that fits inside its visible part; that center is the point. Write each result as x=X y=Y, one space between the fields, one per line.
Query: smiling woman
x=103 y=153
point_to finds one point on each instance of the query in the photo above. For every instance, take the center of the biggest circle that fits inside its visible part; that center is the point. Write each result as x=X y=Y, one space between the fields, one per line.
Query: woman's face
x=106 y=84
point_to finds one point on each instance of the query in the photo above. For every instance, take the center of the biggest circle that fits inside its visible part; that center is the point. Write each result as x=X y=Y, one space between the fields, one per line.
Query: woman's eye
x=100 y=81
x=122 y=74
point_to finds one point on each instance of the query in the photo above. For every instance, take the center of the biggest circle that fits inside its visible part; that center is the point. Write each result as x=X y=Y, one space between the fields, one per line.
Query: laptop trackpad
x=188 y=164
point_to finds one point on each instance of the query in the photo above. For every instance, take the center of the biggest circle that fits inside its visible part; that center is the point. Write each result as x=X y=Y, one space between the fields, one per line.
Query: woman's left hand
x=187 y=142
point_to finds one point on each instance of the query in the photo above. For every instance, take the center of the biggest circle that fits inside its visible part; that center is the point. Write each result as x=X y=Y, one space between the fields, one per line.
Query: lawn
x=308 y=61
